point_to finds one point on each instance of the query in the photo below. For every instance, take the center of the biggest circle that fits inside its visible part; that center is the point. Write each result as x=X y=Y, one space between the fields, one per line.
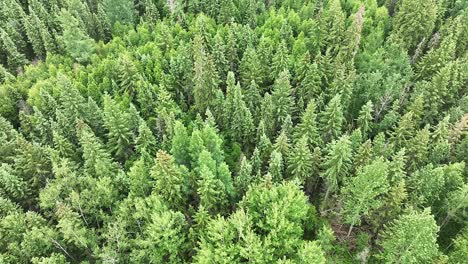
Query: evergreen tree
x=77 y=44
x=119 y=125
x=280 y=62
x=281 y=98
x=205 y=77
x=336 y=164
x=331 y=119
x=119 y=11
x=410 y=238
x=361 y=195
x=410 y=13
x=169 y=181
x=364 y=120
x=14 y=58
x=300 y=160
x=238 y=118
x=308 y=126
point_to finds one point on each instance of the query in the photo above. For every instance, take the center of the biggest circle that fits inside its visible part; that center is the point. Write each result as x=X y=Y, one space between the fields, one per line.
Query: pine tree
x=410 y=239
x=97 y=162
x=282 y=145
x=244 y=177
x=14 y=58
x=334 y=19
x=249 y=67
x=237 y=119
x=210 y=190
x=336 y=164
x=418 y=148
x=365 y=118
x=280 y=61
x=410 y=13
x=145 y=142
x=276 y=166
x=205 y=77
x=311 y=252
x=180 y=144
x=308 y=126
x=282 y=98
x=77 y=44
x=119 y=11
x=169 y=180
x=118 y=123
x=300 y=160
x=361 y=195
x=331 y=119
x=34 y=35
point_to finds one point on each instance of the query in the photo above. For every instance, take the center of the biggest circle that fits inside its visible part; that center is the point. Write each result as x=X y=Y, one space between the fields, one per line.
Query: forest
x=233 y=131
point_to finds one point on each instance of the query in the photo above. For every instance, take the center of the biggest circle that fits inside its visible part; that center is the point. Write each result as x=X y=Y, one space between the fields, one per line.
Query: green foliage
x=79 y=46
x=411 y=238
x=174 y=131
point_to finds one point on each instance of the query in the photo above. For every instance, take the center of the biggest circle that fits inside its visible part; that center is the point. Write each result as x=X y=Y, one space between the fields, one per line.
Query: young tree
x=361 y=195
x=170 y=181
x=336 y=164
x=331 y=119
x=281 y=98
x=77 y=44
x=410 y=239
x=300 y=160
x=237 y=118
x=308 y=126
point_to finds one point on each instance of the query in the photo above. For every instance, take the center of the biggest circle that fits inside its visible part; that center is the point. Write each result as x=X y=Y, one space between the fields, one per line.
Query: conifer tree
x=308 y=126
x=14 y=57
x=180 y=144
x=300 y=160
x=282 y=98
x=365 y=118
x=77 y=44
x=361 y=195
x=96 y=160
x=418 y=148
x=205 y=77
x=282 y=145
x=119 y=11
x=410 y=238
x=331 y=119
x=249 y=67
x=336 y=164
x=276 y=166
x=410 y=13
x=118 y=123
x=238 y=118
x=280 y=62
x=169 y=180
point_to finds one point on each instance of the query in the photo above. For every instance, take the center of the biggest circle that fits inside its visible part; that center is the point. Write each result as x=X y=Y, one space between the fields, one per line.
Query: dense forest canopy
x=223 y=131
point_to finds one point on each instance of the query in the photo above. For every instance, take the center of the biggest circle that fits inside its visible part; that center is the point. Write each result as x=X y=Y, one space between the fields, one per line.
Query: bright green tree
x=361 y=195
x=410 y=239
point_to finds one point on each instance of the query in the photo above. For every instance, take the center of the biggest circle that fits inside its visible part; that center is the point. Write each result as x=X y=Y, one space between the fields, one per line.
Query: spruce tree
x=331 y=119
x=282 y=98
x=77 y=44
x=169 y=180
x=411 y=238
x=237 y=119
x=336 y=164
x=300 y=160
x=308 y=126
x=361 y=194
